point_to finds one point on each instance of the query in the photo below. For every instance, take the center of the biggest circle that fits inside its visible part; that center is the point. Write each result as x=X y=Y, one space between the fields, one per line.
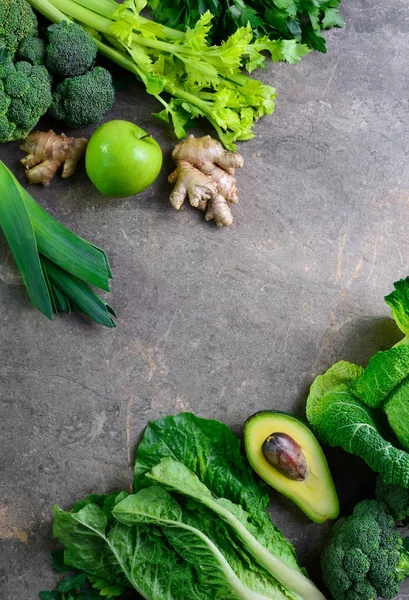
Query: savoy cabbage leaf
x=338 y=418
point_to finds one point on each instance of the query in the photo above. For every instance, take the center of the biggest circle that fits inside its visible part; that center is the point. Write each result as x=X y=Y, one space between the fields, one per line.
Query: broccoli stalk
x=366 y=556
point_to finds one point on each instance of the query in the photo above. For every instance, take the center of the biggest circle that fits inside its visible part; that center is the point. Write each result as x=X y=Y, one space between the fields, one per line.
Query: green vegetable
x=17 y=22
x=366 y=556
x=395 y=497
x=288 y=19
x=340 y=419
x=385 y=382
x=202 y=80
x=56 y=265
x=83 y=100
x=398 y=300
x=32 y=50
x=209 y=449
x=174 y=476
x=71 y=51
x=176 y=538
x=25 y=95
x=216 y=576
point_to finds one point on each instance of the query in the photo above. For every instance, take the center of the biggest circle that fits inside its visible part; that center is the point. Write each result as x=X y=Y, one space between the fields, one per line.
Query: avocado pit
x=284 y=454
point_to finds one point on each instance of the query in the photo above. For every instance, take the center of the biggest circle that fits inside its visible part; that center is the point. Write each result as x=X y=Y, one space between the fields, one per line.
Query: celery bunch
x=200 y=80
x=57 y=266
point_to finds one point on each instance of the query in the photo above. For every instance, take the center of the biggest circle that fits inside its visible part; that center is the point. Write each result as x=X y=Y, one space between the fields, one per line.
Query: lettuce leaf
x=214 y=454
x=136 y=557
x=209 y=449
x=188 y=535
x=178 y=478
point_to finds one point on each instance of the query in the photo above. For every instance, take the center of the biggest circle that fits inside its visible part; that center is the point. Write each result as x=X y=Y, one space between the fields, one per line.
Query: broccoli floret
x=25 y=96
x=396 y=498
x=32 y=49
x=83 y=100
x=366 y=557
x=361 y=590
x=17 y=22
x=71 y=50
x=356 y=564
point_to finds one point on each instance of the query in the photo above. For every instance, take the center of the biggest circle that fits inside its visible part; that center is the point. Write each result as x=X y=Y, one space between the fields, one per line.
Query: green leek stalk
x=56 y=266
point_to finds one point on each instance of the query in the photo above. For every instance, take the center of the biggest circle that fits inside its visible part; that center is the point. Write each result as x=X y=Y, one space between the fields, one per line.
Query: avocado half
x=301 y=470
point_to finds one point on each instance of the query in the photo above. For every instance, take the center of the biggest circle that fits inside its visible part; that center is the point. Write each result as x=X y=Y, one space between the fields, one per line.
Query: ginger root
x=47 y=152
x=204 y=173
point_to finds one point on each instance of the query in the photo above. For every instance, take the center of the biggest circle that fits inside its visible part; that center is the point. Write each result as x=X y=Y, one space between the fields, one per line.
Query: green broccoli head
x=365 y=557
x=71 y=50
x=32 y=50
x=395 y=497
x=25 y=95
x=17 y=22
x=83 y=100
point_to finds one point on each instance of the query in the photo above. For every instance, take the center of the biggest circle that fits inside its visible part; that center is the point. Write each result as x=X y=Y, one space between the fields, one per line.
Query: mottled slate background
x=223 y=323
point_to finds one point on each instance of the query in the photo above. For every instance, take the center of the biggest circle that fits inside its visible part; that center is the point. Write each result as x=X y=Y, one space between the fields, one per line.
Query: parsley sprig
x=300 y=20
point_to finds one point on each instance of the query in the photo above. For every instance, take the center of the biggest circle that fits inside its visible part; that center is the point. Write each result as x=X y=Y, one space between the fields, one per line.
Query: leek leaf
x=56 y=265
x=72 y=253
x=77 y=290
x=18 y=230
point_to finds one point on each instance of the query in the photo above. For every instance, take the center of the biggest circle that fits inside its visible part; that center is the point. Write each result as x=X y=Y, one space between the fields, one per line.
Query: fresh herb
x=201 y=80
x=300 y=20
x=57 y=266
x=195 y=526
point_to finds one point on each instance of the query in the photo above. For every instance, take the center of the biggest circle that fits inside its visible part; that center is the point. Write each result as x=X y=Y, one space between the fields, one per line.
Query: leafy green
x=178 y=478
x=293 y=20
x=209 y=449
x=57 y=266
x=384 y=372
x=340 y=419
x=178 y=537
x=385 y=382
x=216 y=576
x=137 y=556
x=187 y=75
x=398 y=300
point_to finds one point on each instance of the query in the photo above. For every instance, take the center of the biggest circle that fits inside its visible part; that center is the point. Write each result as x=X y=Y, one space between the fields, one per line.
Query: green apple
x=121 y=159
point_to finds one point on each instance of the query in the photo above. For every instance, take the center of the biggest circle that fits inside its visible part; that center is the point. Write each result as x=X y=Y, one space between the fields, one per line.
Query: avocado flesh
x=315 y=495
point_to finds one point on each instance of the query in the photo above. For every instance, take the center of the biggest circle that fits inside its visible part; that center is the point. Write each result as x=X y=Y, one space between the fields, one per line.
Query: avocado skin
x=315 y=495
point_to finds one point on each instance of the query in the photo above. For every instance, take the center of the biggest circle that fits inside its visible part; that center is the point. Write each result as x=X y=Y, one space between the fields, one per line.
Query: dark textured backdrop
x=223 y=323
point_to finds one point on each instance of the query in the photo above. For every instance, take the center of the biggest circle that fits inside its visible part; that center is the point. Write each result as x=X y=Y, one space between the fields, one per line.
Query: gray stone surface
x=223 y=323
